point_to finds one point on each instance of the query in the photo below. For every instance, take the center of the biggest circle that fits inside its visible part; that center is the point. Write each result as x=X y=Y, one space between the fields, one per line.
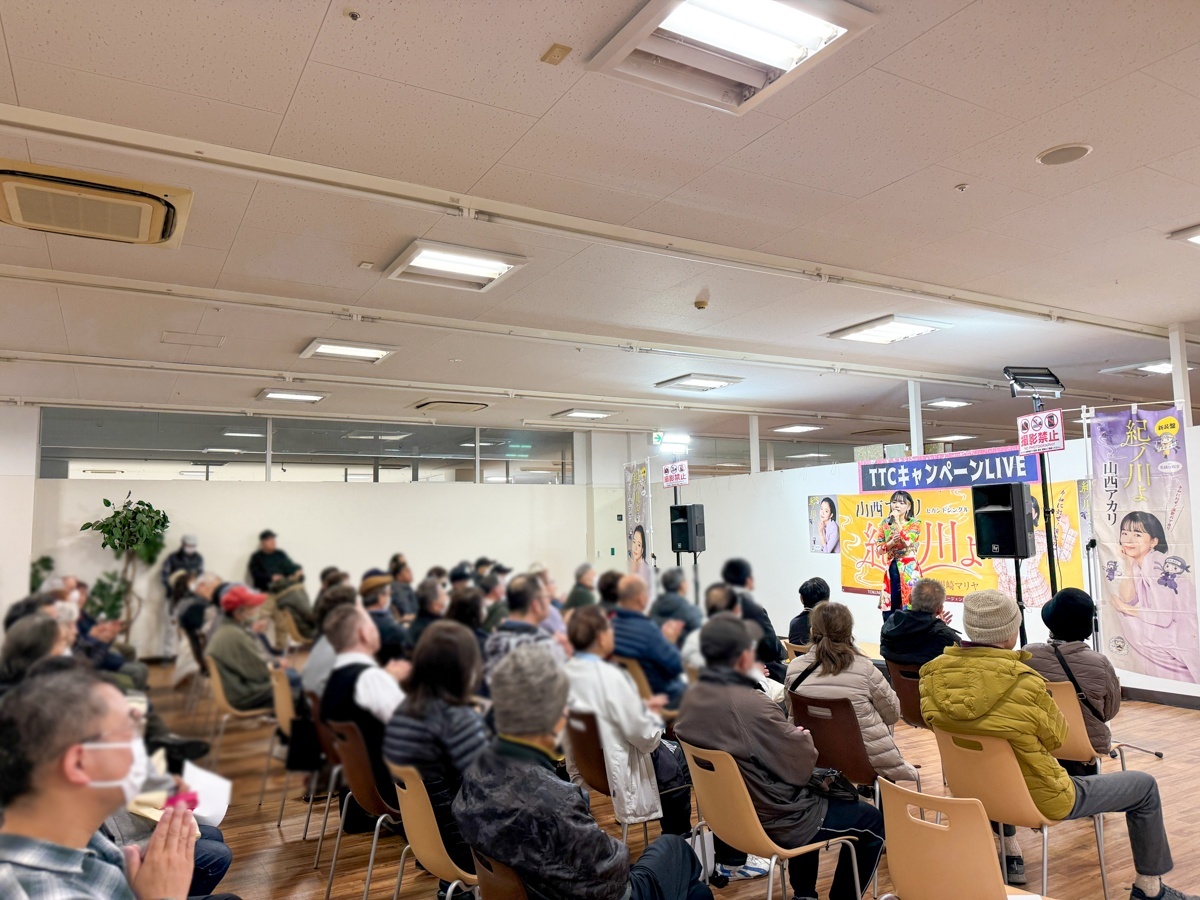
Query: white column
x=770 y=457
x=754 y=447
x=270 y=436
x=916 y=429
x=477 y=479
x=1179 y=373
x=19 y=429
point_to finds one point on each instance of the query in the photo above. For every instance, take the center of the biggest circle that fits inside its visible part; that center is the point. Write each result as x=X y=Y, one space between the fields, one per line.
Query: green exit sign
x=658 y=438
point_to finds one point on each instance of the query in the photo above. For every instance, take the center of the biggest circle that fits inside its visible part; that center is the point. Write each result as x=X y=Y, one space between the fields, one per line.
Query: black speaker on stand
x=1003 y=517
x=687 y=528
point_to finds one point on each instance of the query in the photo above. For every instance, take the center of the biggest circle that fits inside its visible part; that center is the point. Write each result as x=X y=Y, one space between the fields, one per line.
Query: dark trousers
x=860 y=820
x=1136 y=795
x=677 y=811
x=212 y=860
x=668 y=870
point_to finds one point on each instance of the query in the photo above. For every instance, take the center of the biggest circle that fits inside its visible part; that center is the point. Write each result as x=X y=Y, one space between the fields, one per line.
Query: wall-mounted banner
x=1142 y=519
x=1003 y=465
x=946 y=549
x=824 y=535
x=638 y=524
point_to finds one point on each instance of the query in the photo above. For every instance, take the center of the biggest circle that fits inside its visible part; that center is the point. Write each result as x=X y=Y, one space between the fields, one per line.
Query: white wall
x=353 y=526
x=19 y=427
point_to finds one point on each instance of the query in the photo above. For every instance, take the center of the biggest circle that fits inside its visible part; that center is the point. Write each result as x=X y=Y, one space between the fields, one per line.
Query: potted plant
x=134 y=532
x=38 y=570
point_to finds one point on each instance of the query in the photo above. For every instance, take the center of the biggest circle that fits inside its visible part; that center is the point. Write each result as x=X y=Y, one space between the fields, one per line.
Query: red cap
x=238 y=595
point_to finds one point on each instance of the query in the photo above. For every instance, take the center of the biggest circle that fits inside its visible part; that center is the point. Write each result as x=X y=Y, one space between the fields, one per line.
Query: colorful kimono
x=899 y=544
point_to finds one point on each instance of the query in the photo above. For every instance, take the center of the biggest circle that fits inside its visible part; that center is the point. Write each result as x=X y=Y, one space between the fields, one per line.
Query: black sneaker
x=1014 y=869
x=1167 y=893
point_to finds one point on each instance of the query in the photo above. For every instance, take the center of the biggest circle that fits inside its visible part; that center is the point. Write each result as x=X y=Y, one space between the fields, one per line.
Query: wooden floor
x=272 y=862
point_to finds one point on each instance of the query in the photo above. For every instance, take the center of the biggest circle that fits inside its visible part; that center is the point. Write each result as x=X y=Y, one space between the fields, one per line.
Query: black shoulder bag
x=1087 y=704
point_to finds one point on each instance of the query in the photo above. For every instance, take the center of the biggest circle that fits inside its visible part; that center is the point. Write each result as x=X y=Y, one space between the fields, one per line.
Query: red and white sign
x=675 y=474
x=1041 y=432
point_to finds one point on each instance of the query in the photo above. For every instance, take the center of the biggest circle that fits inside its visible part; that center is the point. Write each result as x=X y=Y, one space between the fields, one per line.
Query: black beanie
x=1069 y=615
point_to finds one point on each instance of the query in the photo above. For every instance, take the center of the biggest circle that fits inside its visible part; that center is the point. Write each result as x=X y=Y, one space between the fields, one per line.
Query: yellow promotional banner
x=947 y=549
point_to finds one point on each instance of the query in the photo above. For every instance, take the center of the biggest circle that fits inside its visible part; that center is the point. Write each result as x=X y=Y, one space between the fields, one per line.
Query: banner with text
x=1142 y=519
x=638 y=524
x=947 y=548
x=966 y=469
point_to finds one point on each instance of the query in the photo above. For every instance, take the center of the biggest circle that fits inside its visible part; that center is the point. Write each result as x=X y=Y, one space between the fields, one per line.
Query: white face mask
x=139 y=769
x=75 y=596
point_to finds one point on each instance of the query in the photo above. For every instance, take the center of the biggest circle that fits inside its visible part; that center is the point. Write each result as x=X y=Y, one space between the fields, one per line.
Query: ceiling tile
x=605 y=264
x=30 y=319
x=367 y=124
x=622 y=136
x=448 y=47
x=1181 y=70
x=282 y=326
x=740 y=209
x=123 y=385
x=822 y=247
x=503 y=238
x=289 y=257
x=215 y=218
x=33 y=243
x=1012 y=57
x=965 y=256
x=237 y=51
x=187 y=265
x=243 y=348
x=331 y=216
x=8 y=89
x=74 y=93
x=1123 y=203
x=41 y=381
x=867 y=134
x=1185 y=166
x=1155 y=121
x=282 y=288
x=561 y=195
x=731 y=292
x=11 y=146
x=33 y=255
x=98 y=324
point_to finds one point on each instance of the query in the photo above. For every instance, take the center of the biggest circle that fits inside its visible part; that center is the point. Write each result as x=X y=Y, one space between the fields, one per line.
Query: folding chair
x=906 y=682
x=638 y=674
x=224 y=710
x=795 y=651
x=588 y=753
x=285 y=711
x=496 y=880
x=325 y=737
x=729 y=814
x=426 y=838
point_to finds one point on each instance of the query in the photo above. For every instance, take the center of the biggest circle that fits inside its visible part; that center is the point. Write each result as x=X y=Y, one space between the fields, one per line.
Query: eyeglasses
x=137 y=724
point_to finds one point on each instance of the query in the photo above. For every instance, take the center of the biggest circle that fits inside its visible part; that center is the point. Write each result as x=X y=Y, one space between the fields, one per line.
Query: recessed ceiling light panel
x=887 y=330
x=947 y=403
x=795 y=429
x=583 y=414
x=447 y=265
x=292 y=396
x=951 y=438
x=809 y=456
x=1191 y=235
x=699 y=382
x=349 y=351
x=242 y=433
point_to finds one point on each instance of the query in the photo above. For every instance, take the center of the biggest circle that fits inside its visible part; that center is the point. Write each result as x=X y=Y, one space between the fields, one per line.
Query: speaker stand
x=1020 y=600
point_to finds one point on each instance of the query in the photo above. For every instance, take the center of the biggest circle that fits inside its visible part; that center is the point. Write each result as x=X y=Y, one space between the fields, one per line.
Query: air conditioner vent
x=461 y=406
x=84 y=204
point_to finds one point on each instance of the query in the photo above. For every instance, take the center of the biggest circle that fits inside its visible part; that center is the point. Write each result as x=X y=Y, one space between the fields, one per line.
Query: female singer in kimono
x=898 y=538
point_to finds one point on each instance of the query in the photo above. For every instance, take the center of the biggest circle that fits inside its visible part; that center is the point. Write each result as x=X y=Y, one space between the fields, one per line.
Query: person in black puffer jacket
x=914 y=636
x=435 y=729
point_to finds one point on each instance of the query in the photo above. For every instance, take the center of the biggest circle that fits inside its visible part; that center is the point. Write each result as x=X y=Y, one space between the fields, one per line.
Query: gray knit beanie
x=990 y=617
x=529 y=691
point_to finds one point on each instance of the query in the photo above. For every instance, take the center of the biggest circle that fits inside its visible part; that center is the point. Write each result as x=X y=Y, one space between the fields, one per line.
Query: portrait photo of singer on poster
x=1143 y=525
x=824 y=533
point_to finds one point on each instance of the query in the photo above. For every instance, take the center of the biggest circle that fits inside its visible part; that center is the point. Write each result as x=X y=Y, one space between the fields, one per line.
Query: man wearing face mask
x=68 y=744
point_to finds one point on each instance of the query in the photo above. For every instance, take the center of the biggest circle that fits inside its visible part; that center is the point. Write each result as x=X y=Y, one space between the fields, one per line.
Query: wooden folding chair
x=496 y=880
x=588 y=752
x=325 y=738
x=285 y=711
x=425 y=838
x=224 y=710
x=638 y=674
x=906 y=682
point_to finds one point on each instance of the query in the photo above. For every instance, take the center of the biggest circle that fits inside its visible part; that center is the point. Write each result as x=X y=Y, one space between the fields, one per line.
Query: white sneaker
x=754 y=867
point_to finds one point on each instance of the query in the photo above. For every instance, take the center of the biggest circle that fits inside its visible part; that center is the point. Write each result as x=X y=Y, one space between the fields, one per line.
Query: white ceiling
x=855 y=164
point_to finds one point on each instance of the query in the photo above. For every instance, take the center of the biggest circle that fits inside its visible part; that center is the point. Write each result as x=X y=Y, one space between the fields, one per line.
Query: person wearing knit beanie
x=990 y=617
x=529 y=692
x=1070 y=616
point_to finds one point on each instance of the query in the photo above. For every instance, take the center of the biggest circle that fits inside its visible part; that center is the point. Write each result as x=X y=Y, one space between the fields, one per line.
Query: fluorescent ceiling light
x=374 y=436
x=809 y=456
x=223 y=450
x=677 y=449
x=360 y=476
x=947 y=403
x=445 y=265
x=763 y=30
x=234 y=432
x=495 y=478
x=699 y=382
x=582 y=414
x=951 y=438
x=796 y=429
x=1161 y=368
x=482 y=444
x=323 y=349
x=887 y=330
x=674 y=437
x=1156 y=367
x=192 y=473
x=103 y=471
x=1191 y=235
x=297 y=396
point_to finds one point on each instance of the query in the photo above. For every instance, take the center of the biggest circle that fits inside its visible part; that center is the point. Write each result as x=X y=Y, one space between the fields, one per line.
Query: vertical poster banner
x=638 y=526
x=824 y=533
x=1142 y=520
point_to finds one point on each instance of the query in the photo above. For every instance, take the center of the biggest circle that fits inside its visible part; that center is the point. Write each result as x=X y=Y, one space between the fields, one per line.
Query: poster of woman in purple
x=1143 y=523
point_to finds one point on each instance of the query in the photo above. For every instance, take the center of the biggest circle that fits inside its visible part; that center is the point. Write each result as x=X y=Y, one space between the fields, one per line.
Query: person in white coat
x=647 y=775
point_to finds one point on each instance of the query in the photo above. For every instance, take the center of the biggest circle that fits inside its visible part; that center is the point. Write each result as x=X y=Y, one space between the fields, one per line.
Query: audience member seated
x=28 y=641
x=638 y=638
x=721 y=598
x=185 y=559
x=331 y=577
x=273 y=572
x=362 y=692
x=673 y=603
x=916 y=635
x=495 y=609
x=648 y=776
x=466 y=608
x=554 y=622
x=527 y=606
x=812 y=592
x=322 y=656
x=34 y=603
x=404 y=596
x=833 y=669
x=513 y=791
x=583 y=592
x=1070 y=616
x=376 y=592
x=96 y=642
x=483 y=565
x=727 y=711
x=737 y=574
x=607 y=586
x=461 y=575
x=431 y=607
x=241 y=659
x=72 y=755
x=985 y=687
x=436 y=729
